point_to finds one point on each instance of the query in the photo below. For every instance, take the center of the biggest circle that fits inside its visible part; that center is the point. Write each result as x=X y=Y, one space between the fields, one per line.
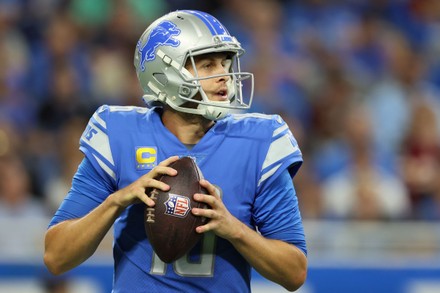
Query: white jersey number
x=183 y=267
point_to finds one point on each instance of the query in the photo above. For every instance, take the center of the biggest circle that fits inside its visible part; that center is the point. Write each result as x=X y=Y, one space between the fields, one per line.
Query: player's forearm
x=276 y=260
x=70 y=243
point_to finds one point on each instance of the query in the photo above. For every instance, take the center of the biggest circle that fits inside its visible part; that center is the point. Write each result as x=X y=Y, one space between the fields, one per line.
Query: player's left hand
x=222 y=222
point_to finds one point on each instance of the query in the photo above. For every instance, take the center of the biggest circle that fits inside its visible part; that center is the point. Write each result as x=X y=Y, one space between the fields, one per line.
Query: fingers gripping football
x=169 y=224
x=138 y=190
x=222 y=222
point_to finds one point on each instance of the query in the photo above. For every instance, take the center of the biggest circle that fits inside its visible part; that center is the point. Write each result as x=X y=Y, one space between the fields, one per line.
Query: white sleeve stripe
x=238 y=116
x=99 y=120
x=279 y=149
x=105 y=167
x=269 y=173
x=279 y=130
x=100 y=143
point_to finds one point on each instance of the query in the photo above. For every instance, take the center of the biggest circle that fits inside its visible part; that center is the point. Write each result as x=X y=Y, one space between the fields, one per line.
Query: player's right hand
x=138 y=190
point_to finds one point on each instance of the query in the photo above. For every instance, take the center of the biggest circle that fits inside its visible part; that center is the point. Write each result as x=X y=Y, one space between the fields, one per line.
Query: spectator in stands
x=16 y=198
x=421 y=163
x=18 y=207
x=363 y=189
x=69 y=157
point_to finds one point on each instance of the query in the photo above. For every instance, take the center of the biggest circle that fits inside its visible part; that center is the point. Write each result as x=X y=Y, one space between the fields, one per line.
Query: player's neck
x=188 y=128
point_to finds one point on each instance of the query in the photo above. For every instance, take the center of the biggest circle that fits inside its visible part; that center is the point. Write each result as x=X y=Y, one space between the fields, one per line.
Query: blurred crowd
x=358 y=81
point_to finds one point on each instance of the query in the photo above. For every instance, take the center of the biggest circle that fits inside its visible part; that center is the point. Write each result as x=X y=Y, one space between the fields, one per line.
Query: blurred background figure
x=69 y=158
x=18 y=208
x=16 y=198
x=56 y=285
x=421 y=163
x=363 y=188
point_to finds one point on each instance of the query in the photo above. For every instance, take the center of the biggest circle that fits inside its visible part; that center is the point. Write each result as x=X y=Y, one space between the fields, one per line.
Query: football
x=170 y=225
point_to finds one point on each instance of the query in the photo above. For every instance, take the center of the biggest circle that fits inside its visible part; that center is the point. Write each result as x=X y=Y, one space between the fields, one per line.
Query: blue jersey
x=250 y=157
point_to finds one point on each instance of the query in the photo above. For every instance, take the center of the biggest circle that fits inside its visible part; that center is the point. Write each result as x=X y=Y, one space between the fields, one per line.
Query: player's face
x=213 y=64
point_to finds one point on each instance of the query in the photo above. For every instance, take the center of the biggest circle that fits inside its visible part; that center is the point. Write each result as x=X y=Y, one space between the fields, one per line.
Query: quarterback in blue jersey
x=188 y=66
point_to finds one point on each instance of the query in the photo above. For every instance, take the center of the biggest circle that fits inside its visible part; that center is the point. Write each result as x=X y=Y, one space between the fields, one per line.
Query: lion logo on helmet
x=162 y=35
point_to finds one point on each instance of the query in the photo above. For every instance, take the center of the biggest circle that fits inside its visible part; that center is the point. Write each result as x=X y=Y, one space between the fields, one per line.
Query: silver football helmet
x=173 y=40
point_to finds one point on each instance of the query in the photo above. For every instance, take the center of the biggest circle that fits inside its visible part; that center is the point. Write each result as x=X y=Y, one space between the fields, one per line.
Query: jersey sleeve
x=277 y=214
x=283 y=152
x=276 y=210
x=95 y=144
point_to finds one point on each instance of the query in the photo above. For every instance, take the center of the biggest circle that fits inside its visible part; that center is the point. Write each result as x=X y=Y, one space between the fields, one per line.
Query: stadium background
x=356 y=80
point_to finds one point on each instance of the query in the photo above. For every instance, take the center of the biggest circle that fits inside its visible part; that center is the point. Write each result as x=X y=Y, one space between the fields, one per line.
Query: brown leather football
x=170 y=225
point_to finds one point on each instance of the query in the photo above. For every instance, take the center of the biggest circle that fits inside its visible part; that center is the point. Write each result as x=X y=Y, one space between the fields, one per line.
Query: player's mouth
x=222 y=94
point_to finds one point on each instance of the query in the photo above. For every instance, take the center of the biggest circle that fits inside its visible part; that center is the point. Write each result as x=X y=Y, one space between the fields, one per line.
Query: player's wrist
x=114 y=202
x=238 y=234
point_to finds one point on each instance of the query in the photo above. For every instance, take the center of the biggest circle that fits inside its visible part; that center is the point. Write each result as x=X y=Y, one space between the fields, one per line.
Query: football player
x=188 y=66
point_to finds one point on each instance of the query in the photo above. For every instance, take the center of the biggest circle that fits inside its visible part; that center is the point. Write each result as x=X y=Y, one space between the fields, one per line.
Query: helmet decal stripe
x=211 y=22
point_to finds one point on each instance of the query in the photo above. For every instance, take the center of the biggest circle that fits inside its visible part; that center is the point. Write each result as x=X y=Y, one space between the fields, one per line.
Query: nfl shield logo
x=177 y=205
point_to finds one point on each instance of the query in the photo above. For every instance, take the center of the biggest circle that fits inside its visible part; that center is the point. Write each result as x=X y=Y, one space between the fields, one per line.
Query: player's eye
x=207 y=65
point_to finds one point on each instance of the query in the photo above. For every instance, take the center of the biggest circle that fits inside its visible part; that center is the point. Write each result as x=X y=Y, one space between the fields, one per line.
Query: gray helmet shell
x=173 y=40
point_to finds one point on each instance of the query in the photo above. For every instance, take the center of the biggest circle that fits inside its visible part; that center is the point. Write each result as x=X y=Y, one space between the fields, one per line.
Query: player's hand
x=138 y=190
x=222 y=222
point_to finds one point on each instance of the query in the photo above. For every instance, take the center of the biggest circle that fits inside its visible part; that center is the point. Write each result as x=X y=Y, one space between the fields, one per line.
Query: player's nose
x=222 y=70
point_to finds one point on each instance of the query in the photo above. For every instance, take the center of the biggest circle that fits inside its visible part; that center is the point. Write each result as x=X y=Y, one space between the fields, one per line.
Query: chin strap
x=214 y=112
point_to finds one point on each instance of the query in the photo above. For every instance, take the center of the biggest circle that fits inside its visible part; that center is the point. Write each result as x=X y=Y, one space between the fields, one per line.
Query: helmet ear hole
x=161 y=78
x=185 y=91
